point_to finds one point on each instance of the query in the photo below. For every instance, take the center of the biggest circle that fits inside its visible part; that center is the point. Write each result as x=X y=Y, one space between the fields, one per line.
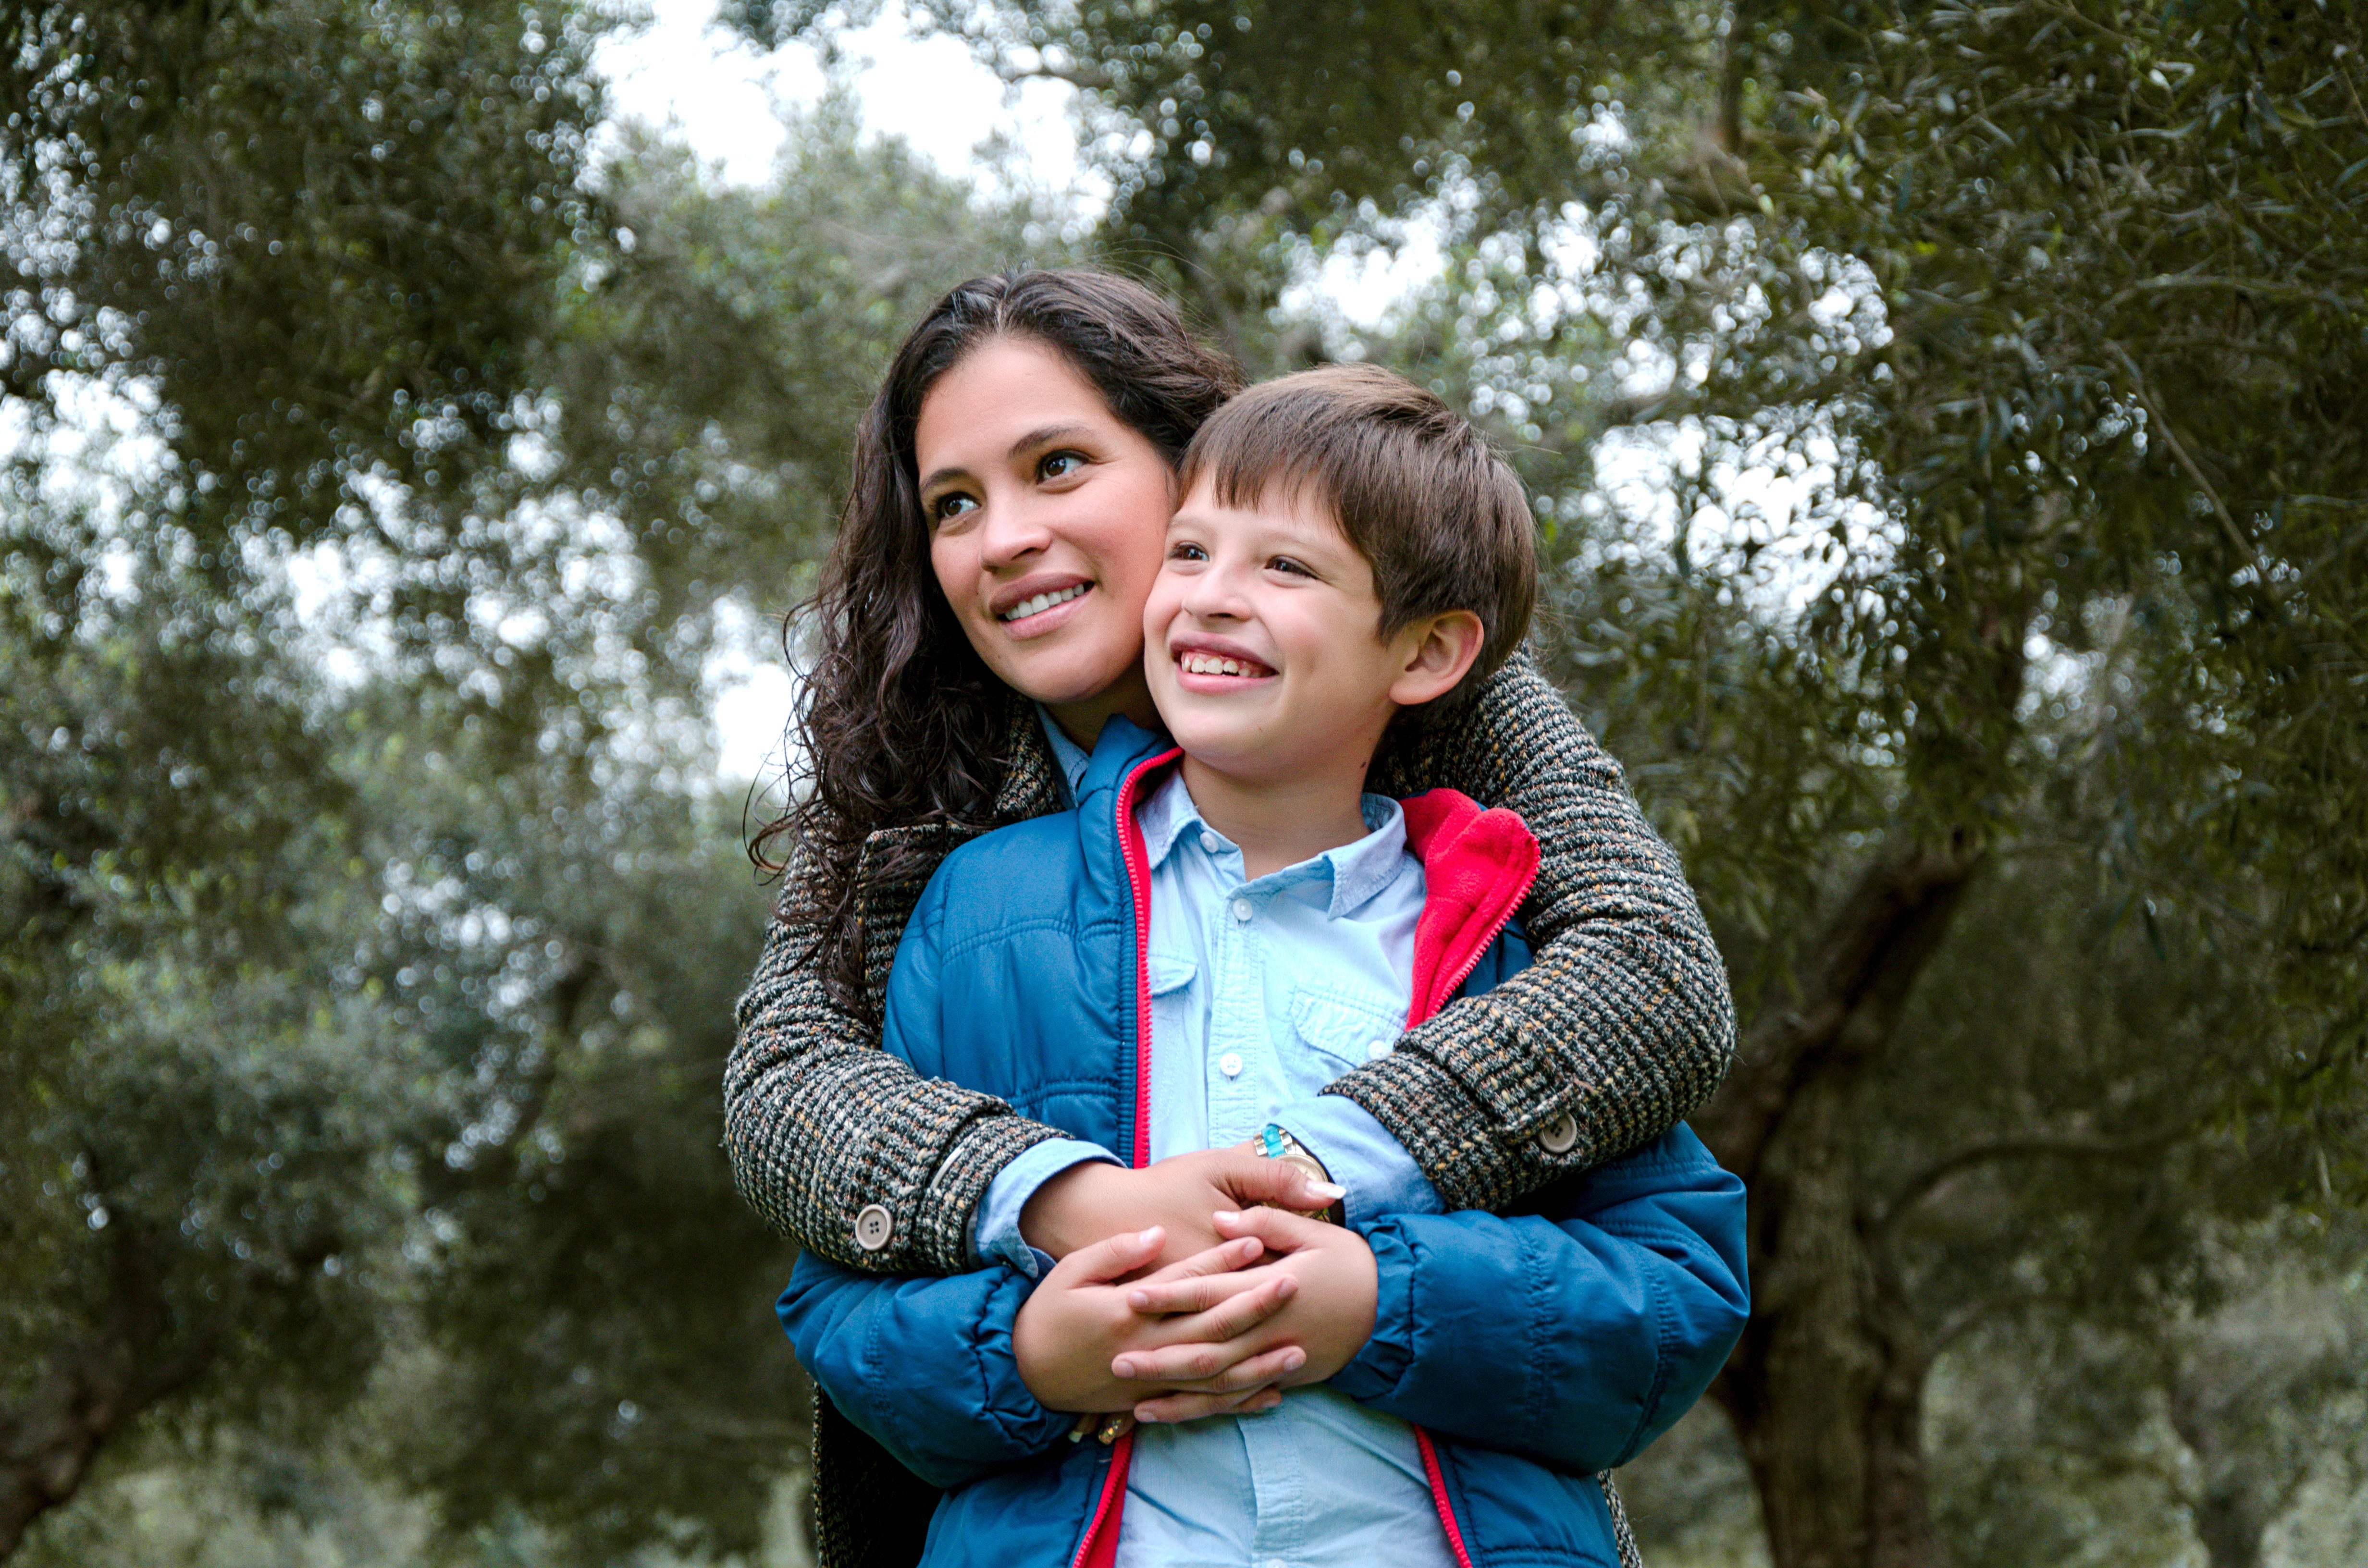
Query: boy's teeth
x=1043 y=602
x=1210 y=665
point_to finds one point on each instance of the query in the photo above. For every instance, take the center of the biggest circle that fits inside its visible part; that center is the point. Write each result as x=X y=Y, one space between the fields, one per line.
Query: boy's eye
x=1286 y=563
x=1059 y=465
x=1185 y=549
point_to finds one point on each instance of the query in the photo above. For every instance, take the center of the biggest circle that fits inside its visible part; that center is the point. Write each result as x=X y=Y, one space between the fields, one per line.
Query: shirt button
x=1377 y=1050
x=1242 y=910
x=1211 y=842
x=873 y=1226
x=1559 y=1136
x=1229 y=1065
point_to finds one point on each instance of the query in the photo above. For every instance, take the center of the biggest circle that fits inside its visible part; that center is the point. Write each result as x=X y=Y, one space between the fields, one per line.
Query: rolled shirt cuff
x=995 y=1230
x=1360 y=1155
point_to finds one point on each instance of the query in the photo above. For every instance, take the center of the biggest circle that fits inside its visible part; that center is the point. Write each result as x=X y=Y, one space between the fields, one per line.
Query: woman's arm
x=841 y=1146
x=1622 y=1026
x=1623 y=1023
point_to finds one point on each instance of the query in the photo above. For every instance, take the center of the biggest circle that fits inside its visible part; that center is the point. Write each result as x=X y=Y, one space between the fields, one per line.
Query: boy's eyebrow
x=1036 y=437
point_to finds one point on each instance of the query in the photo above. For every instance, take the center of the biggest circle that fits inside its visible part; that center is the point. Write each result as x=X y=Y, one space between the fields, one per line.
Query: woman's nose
x=1010 y=532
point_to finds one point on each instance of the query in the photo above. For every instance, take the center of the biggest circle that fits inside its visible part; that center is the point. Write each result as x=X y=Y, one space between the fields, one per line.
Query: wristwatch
x=1278 y=1144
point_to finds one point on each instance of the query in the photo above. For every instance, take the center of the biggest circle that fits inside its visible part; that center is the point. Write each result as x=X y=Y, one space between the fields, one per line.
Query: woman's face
x=1047 y=517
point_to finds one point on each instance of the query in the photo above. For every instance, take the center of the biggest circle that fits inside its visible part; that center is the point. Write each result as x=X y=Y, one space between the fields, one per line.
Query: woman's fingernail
x=1149 y=1238
x=1139 y=1300
x=1294 y=1360
x=1227 y=1216
x=1333 y=1190
x=1122 y=1368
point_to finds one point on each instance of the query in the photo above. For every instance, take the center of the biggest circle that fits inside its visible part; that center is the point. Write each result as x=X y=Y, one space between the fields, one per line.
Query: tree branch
x=1920 y=1186
x=94 y=1386
x=1867 y=961
x=2178 y=449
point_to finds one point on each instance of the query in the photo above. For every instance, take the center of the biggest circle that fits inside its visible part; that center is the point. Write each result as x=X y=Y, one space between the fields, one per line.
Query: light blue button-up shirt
x=1358 y=1151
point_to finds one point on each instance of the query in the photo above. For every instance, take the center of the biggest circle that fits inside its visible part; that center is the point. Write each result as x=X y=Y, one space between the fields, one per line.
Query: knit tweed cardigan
x=1621 y=1026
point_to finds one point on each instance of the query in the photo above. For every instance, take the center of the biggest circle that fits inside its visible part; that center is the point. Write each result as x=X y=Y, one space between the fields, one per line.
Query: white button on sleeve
x=873 y=1227
x=1559 y=1136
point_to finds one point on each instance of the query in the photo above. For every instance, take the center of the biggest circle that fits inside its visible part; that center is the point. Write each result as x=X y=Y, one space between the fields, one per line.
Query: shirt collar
x=1072 y=757
x=1352 y=872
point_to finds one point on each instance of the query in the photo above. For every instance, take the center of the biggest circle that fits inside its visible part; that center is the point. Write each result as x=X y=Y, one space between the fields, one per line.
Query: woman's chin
x=1067 y=676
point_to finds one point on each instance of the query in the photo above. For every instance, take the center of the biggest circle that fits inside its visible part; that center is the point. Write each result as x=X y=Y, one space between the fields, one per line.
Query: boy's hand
x=1094 y=1201
x=1329 y=1317
x=1081 y=1323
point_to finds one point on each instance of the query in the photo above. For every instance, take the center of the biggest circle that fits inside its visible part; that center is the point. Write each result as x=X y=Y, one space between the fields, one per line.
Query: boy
x=1183 y=961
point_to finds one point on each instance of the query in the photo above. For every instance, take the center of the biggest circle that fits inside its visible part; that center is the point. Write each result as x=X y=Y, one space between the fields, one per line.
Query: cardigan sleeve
x=1622 y=1026
x=822 y=1124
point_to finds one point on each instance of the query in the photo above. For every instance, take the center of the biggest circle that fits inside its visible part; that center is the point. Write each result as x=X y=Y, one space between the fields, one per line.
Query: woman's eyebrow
x=1041 y=435
x=1047 y=434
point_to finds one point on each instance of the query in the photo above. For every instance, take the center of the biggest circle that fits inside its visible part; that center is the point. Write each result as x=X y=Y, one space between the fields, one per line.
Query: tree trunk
x=93 y=1385
x=1827 y=1388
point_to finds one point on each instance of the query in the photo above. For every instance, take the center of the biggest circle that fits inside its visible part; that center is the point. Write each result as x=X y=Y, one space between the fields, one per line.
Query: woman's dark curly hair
x=900 y=722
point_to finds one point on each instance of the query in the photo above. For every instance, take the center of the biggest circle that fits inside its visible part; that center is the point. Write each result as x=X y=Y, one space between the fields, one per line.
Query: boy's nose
x=1214 y=595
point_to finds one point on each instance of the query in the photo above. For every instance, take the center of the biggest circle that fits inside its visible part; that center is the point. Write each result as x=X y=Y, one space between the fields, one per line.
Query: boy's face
x=1261 y=641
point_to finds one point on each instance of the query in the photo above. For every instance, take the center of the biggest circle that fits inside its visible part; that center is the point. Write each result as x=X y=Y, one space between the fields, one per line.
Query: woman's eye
x=948 y=506
x=1059 y=465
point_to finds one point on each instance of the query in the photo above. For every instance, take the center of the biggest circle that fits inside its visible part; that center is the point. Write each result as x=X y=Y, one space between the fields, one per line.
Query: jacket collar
x=1477 y=867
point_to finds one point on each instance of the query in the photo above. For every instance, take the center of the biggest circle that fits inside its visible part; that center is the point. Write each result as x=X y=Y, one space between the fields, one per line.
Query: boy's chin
x=1227 y=748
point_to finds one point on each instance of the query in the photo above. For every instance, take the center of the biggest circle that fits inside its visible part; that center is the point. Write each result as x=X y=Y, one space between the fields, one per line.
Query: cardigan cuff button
x=1559 y=1136
x=874 y=1226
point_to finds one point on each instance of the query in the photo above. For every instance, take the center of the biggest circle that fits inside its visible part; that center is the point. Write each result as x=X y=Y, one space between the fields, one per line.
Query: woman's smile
x=1028 y=608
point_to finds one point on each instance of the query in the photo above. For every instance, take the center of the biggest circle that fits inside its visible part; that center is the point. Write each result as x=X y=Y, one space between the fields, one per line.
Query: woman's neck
x=1082 y=720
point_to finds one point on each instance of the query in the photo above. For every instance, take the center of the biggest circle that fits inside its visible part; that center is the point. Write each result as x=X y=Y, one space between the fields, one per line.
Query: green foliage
x=373 y=910
x=1948 y=422
x=1947 y=425
x=329 y=236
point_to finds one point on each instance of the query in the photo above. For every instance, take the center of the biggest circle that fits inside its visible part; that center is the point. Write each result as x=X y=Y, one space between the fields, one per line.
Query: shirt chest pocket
x=1346 y=1027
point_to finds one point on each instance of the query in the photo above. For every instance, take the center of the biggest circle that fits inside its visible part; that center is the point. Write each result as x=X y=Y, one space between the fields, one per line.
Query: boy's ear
x=1437 y=650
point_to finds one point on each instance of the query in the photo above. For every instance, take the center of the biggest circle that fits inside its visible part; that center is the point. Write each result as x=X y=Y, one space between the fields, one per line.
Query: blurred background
x=1949 y=427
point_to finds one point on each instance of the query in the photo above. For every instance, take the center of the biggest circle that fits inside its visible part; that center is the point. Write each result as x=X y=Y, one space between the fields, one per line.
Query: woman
x=981 y=614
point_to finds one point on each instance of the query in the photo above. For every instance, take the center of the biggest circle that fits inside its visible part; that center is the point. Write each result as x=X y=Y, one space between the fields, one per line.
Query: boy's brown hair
x=1420 y=494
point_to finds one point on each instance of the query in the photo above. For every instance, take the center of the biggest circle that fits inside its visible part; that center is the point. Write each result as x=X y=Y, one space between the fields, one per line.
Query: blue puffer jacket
x=1529 y=1350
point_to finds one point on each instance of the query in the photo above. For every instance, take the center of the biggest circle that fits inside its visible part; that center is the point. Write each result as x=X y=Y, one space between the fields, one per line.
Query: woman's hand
x=1082 y=1324
x=1094 y=1201
x=1328 y=1318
